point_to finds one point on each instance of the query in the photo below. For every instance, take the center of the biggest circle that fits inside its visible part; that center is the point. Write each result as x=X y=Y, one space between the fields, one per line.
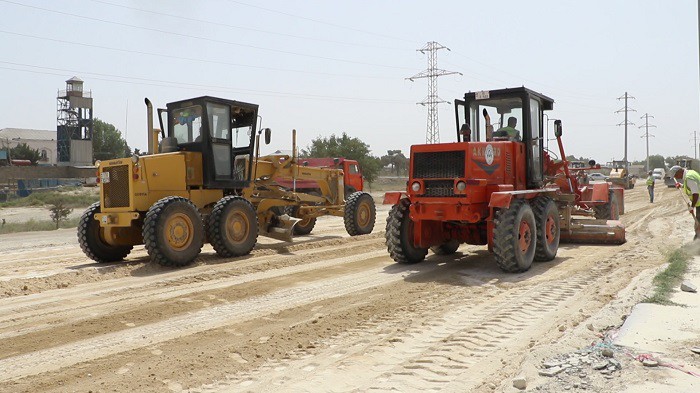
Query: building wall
x=48 y=146
x=13 y=173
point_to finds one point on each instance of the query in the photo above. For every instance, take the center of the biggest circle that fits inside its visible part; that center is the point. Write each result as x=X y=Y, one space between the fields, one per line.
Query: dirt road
x=328 y=313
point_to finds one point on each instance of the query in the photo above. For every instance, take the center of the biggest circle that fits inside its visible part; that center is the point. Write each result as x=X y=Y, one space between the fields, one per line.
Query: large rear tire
x=233 y=227
x=610 y=210
x=92 y=242
x=515 y=237
x=548 y=231
x=446 y=248
x=399 y=235
x=173 y=232
x=360 y=214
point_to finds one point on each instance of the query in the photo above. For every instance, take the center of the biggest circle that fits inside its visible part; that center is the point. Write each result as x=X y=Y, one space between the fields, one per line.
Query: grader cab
x=203 y=181
x=497 y=186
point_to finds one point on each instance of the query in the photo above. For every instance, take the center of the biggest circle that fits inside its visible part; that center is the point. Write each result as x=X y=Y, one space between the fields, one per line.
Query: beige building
x=42 y=140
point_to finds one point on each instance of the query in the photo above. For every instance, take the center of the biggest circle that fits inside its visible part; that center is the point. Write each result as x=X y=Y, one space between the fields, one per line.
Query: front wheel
x=515 y=234
x=399 y=235
x=92 y=241
x=360 y=214
x=608 y=211
x=303 y=227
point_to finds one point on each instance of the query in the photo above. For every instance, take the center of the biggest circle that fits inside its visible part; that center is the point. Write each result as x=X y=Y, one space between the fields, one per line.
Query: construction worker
x=509 y=131
x=690 y=181
x=650 y=186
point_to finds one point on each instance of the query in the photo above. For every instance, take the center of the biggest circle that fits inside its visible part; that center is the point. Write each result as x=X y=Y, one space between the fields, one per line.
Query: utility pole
x=647 y=135
x=695 y=143
x=433 y=132
x=626 y=123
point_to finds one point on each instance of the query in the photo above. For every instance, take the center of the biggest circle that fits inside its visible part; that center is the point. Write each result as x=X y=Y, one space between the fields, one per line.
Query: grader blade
x=281 y=229
x=594 y=232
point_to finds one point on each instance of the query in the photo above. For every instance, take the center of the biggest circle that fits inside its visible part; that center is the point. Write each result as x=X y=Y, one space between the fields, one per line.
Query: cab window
x=219 y=121
x=491 y=118
x=187 y=124
x=353 y=169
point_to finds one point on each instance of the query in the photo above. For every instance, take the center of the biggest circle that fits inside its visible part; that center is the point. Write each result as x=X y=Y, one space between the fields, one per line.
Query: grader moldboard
x=507 y=193
x=206 y=182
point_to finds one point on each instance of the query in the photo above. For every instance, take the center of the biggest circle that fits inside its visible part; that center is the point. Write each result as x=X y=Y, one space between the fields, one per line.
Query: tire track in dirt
x=210 y=318
x=429 y=355
x=55 y=308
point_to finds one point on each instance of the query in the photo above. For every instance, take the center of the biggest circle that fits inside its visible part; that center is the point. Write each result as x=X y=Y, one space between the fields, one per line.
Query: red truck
x=352 y=177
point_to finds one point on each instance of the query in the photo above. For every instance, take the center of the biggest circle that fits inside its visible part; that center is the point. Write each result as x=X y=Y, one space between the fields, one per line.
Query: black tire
x=399 y=235
x=515 y=234
x=233 y=227
x=91 y=242
x=610 y=210
x=360 y=214
x=446 y=248
x=303 y=227
x=173 y=232
x=548 y=231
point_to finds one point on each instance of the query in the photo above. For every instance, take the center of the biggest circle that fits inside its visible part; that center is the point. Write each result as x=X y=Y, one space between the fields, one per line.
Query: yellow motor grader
x=205 y=182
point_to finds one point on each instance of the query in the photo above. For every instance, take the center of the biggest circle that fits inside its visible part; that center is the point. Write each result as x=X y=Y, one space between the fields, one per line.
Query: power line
x=320 y=21
x=626 y=123
x=183 y=85
x=432 y=73
x=200 y=60
x=202 y=38
x=646 y=134
x=214 y=23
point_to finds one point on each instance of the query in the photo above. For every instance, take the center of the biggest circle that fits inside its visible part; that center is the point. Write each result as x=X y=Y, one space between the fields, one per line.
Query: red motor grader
x=499 y=187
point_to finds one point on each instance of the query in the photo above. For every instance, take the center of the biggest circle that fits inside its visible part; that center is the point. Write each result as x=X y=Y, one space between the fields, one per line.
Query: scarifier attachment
x=594 y=232
x=280 y=228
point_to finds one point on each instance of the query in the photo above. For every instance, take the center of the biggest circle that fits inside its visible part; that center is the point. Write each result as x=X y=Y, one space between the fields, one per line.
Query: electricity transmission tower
x=695 y=143
x=433 y=132
x=626 y=123
x=647 y=134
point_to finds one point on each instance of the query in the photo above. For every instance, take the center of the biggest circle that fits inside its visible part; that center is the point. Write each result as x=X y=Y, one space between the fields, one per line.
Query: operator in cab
x=508 y=131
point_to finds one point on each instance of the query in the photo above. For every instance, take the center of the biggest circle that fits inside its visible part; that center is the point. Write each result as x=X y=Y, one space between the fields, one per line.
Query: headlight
x=415 y=186
x=461 y=186
x=135 y=159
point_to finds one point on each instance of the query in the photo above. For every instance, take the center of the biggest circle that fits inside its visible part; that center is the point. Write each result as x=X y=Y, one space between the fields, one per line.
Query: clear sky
x=326 y=67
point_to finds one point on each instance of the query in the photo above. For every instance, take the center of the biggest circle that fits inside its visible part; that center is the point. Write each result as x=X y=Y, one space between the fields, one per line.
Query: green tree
x=23 y=152
x=107 y=142
x=346 y=147
x=59 y=212
x=397 y=160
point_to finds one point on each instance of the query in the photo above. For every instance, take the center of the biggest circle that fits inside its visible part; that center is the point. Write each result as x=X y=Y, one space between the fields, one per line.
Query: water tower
x=74 y=124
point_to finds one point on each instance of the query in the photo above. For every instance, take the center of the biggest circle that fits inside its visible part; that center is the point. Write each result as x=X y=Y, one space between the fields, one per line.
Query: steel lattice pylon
x=433 y=131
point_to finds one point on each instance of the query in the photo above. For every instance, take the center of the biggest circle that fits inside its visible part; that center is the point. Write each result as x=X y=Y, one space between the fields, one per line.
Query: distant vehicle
x=596 y=176
x=658 y=173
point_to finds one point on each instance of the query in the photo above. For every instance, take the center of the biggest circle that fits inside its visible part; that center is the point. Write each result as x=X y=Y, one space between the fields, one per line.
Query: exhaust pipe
x=149 y=117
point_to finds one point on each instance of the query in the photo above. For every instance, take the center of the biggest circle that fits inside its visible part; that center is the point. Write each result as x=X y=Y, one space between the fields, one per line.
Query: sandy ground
x=327 y=313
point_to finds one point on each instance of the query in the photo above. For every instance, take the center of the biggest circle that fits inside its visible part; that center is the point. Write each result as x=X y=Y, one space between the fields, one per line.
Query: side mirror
x=268 y=136
x=557 y=128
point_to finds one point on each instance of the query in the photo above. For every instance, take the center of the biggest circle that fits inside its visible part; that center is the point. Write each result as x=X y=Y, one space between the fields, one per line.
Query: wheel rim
x=550 y=230
x=237 y=227
x=524 y=236
x=179 y=231
x=363 y=214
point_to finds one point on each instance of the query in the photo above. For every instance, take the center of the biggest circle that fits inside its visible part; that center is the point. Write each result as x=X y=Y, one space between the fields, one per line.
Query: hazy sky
x=326 y=67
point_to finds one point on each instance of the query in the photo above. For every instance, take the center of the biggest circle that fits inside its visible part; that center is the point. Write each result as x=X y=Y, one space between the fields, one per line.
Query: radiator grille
x=438 y=165
x=509 y=165
x=439 y=188
x=116 y=191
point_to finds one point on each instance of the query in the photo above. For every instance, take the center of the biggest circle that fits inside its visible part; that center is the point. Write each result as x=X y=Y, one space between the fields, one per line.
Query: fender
x=393 y=197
